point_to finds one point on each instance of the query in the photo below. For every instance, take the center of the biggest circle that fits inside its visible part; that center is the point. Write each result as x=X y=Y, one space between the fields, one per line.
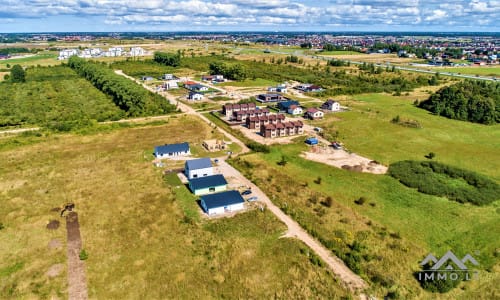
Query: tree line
x=168 y=59
x=128 y=95
x=230 y=71
x=471 y=100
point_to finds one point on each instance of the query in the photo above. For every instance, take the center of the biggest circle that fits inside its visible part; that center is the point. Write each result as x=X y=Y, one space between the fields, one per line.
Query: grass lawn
x=134 y=229
x=367 y=130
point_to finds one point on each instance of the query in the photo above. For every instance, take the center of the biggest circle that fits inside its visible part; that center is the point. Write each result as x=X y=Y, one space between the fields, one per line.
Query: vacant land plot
x=483 y=71
x=368 y=131
x=42 y=59
x=392 y=223
x=139 y=242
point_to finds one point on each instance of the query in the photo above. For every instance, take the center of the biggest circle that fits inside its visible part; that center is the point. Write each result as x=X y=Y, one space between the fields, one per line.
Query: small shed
x=207 y=185
x=312 y=141
x=223 y=202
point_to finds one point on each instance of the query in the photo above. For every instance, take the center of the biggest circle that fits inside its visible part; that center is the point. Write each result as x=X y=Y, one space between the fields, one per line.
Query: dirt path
x=77 y=283
x=352 y=281
x=19 y=130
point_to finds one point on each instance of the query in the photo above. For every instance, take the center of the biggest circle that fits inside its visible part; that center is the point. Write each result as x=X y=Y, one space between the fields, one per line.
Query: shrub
x=258 y=147
x=438 y=179
x=83 y=254
x=360 y=201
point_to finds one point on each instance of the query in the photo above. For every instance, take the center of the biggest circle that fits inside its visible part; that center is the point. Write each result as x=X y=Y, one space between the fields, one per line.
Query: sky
x=249 y=15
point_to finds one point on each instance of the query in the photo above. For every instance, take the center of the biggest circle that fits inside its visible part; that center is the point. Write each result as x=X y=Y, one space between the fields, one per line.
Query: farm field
x=368 y=131
x=140 y=244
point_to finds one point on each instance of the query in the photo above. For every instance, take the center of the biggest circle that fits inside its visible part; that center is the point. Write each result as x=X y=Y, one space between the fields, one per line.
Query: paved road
x=349 y=278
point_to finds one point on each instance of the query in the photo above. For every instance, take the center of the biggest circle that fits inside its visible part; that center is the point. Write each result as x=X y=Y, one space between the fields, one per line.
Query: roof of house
x=207 y=181
x=312 y=110
x=222 y=199
x=293 y=106
x=200 y=163
x=287 y=104
x=172 y=148
x=238 y=106
x=330 y=101
x=269 y=95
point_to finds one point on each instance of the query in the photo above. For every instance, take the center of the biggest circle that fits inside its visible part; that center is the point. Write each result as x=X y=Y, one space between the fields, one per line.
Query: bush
x=258 y=147
x=360 y=201
x=83 y=255
x=438 y=179
x=1 y=226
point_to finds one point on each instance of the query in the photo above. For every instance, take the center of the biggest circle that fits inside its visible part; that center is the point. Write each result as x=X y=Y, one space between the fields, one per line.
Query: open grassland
x=390 y=232
x=52 y=96
x=337 y=53
x=482 y=71
x=46 y=58
x=258 y=82
x=139 y=241
x=367 y=130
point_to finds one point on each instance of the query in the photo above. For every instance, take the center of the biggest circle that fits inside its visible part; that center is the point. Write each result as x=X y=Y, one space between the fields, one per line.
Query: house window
x=212 y=189
x=205 y=175
x=195 y=175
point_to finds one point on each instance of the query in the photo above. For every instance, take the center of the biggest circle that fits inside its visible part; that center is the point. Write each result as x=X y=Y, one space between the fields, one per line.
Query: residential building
x=196 y=87
x=195 y=96
x=331 y=105
x=200 y=167
x=137 y=51
x=265 y=98
x=242 y=116
x=230 y=109
x=168 y=77
x=313 y=113
x=295 y=110
x=147 y=78
x=209 y=184
x=223 y=202
x=216 y=78
x=256 y=122
x=285 y=105
x=282 y=129
x=170 y=84
x=214 y=145
x=172 y=150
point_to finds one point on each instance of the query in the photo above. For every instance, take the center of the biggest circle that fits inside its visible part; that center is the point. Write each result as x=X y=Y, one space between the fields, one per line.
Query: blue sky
x=251 y=15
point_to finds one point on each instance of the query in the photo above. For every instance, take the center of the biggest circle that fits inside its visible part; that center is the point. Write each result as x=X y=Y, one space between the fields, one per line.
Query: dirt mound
x=55 y=270
x=53 y=225
x=55 y=244
x=356 y=168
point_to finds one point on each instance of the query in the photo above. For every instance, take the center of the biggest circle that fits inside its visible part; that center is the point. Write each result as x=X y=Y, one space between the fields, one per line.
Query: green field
x=42 y=59
x=54 y=97
x=338 y=53
x=482 y=71
x=367 y=130
x=140 y=242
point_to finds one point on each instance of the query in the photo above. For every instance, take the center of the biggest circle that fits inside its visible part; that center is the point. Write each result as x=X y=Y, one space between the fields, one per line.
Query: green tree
x=17 y=74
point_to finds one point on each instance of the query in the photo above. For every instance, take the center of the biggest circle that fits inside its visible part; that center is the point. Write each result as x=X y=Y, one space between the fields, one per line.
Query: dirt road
x=77 y=284
x=351 y=280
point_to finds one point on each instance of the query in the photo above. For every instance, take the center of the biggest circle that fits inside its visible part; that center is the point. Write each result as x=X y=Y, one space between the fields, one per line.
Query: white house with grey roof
x=172 y=150
x=197 y=168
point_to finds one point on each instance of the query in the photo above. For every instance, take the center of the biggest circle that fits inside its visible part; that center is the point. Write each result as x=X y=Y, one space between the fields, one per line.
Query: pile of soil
x=53 y=225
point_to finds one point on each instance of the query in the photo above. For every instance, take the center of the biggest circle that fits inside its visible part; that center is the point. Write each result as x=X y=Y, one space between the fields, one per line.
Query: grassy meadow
x=367 y=130
x=134 y=227
x=482 y=71
x=46 y=58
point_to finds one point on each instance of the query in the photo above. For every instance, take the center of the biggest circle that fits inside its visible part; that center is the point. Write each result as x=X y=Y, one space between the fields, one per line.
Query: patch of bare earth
x=77 y=283
x=55 y=270
x=344 y=160
x=53 y=224
x=55 y=244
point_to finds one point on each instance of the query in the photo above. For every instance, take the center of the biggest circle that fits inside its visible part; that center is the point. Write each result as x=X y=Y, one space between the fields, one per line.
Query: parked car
x=336 y=146
x=247 y=192
x=252 y=199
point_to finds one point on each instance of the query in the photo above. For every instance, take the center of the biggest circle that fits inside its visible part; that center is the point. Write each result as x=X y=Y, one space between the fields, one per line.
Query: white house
x=195 y=96
x=331 y=105
x=171 y=84
x=172 y=150
x=223 y=202
x=67 y=53
x=167 y=77
x=137 y=51
x=200 y=167
x=313 y=113
x=295 y=110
